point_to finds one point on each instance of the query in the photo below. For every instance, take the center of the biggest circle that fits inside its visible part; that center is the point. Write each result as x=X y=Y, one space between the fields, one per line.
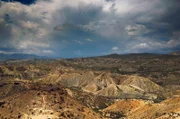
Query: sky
x=83 y=28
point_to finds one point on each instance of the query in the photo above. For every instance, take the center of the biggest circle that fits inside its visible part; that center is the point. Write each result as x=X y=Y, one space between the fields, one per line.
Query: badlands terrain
x=133 y=86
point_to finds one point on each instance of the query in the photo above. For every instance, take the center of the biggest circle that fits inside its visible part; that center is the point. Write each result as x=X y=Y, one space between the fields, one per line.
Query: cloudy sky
x=78 y=28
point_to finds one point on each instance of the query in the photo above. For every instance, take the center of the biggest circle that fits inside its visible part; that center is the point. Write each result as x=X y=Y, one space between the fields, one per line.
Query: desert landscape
x=89 y=59
x=132 y=86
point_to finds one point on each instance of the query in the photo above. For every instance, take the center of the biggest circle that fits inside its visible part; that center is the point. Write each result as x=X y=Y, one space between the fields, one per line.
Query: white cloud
x=173 y=43
x=150 y=46
x=28 y=24
x=141 y=46
x=115 y=48
x=47 y=51
x=90 y=40
x=175 y=40
x=137 y=29
x=79 y=42
x=28 y=44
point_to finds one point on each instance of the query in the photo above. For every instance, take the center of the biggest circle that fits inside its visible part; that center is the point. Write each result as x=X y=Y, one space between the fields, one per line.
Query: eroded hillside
x=137 y=86
x=41 y=101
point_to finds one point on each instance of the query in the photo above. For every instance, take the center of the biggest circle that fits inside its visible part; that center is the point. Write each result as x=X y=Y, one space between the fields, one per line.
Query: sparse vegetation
x=94 y=85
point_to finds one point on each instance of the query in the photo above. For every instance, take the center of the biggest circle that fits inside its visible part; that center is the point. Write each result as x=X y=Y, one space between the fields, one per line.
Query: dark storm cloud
x=8 y=49
x=81 y=15
x=168 y=21
x=26 y=2
x=5 y=32
x=124 y=25
x=172 y=16
x=162 y=23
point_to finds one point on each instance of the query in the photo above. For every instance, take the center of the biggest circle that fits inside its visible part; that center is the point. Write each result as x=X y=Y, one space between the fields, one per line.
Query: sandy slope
x=141 y=109
x=108 y=84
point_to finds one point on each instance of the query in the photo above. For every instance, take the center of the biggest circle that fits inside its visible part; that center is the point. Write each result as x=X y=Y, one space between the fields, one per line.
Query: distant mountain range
x=138 y=55
x=128 y=55
x=4 y=57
